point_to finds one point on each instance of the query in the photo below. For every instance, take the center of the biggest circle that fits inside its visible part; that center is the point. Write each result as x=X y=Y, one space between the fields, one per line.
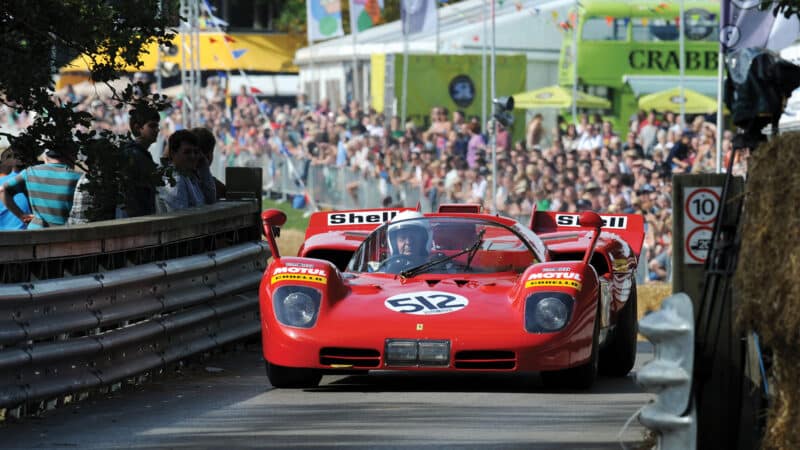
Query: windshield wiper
x=425 y=266
x=474 y=250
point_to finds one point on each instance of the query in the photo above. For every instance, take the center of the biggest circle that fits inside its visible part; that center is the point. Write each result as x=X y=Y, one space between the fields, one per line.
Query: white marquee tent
x=522 y=27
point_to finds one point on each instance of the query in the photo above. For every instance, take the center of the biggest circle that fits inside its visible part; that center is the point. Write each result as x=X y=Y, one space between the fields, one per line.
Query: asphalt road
x=226 y=403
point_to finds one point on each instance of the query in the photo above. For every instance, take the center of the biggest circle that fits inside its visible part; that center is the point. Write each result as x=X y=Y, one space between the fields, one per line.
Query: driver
x=409 y=237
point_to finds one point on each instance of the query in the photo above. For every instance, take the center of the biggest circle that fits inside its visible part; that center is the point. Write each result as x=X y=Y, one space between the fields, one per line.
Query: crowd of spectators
x=588 y=165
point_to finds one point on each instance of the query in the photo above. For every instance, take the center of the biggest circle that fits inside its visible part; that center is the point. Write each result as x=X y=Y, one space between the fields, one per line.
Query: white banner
x=418 y=16
x=324 y=19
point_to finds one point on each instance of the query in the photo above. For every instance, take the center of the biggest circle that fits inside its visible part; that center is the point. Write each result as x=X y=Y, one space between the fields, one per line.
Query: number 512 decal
x=426 y=303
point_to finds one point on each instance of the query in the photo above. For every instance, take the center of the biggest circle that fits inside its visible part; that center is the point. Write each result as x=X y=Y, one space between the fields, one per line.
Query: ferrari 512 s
x=457 y=290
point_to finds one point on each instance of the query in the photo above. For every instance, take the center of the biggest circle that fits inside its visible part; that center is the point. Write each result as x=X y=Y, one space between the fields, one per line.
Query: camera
x=503 y=108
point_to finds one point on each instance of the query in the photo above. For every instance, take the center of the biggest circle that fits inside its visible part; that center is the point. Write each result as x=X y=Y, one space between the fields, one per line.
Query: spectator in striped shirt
x=50 y=188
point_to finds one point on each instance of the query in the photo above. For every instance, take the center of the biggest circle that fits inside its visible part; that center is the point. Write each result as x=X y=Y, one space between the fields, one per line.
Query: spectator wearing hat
x=50 y=187
x=139 y=167
x=10 y=166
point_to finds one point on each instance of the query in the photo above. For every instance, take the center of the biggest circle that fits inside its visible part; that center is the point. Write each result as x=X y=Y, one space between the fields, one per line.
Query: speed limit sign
x=701 y=207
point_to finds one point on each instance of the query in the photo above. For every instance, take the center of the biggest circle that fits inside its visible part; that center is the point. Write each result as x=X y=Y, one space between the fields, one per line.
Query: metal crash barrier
x=88 y=306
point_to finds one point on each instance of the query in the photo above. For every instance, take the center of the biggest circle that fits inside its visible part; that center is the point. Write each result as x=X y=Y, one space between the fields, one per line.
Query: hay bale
x=769 y=261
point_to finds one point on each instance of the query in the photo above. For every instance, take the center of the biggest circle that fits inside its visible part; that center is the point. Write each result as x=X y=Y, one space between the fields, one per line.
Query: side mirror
x=273 y=217
x=590 y=219
x=272 y=220
x=593 y=220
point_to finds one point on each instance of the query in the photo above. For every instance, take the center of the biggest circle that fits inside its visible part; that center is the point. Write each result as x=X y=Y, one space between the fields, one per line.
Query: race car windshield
x=442 y=245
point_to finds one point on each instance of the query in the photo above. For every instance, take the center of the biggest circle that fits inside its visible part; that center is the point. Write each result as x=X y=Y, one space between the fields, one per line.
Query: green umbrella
x=670 y=100
x=557 y=97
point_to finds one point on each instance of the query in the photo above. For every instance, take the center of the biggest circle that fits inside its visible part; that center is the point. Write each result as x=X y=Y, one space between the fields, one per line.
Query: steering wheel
x=394 y=264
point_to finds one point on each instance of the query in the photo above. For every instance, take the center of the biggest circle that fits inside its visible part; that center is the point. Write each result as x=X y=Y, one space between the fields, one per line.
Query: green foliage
x=111 y=35
x=104 y=161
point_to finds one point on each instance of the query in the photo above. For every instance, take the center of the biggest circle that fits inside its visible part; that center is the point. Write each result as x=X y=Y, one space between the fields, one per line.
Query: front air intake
x=486 y=360
x=349 y=358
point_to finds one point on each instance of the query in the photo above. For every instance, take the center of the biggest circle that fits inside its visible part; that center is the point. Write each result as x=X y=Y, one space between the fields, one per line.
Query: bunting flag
x=324 y=19
x=418 y=16
x=744 y=25
x=238 y=53
x=365 y=14
x=229 y=38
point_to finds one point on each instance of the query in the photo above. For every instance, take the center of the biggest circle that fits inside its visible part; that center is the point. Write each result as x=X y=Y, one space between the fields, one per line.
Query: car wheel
x=579 y=377
x=290 y=377
x=619 y=356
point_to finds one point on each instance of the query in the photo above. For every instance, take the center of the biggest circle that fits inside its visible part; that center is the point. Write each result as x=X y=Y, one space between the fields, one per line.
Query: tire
x=289 y=377
x=580 y=377
x=618 y=357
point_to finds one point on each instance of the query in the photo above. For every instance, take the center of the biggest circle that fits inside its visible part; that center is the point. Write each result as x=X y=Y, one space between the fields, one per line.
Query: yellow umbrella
x=557 y=97
x=670 y=100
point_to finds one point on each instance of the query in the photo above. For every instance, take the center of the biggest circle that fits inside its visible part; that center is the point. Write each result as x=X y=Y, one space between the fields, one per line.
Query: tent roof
x=251 y=52
x=525 y=26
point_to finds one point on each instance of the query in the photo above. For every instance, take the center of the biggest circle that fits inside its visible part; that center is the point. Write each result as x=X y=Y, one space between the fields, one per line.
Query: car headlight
x=296 y=306
x=546 y=312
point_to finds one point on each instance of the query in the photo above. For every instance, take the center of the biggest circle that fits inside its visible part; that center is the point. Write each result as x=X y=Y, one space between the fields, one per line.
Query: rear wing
x=630 y=227
x=358 y=220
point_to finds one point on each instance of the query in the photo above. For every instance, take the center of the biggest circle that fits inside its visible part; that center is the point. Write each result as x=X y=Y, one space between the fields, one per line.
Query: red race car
x=453 y=291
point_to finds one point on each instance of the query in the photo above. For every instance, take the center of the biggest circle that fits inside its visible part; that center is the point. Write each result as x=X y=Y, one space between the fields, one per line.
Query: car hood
x=425 y=307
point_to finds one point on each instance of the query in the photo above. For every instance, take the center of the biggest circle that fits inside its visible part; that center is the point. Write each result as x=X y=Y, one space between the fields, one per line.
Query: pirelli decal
x=560 y=283
x=558 y=279
x=299 y=277
x=303 y=274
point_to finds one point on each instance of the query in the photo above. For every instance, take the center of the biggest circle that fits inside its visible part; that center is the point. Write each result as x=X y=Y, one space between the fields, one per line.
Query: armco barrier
x=131 y=295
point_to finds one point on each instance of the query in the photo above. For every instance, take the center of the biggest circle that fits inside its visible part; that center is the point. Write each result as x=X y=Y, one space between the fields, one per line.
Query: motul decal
x=304 y=274
x=557 y=275
x=303 y=270
x=571 y=220
x=426 y=303
x=560 y=279
x=360 y=217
